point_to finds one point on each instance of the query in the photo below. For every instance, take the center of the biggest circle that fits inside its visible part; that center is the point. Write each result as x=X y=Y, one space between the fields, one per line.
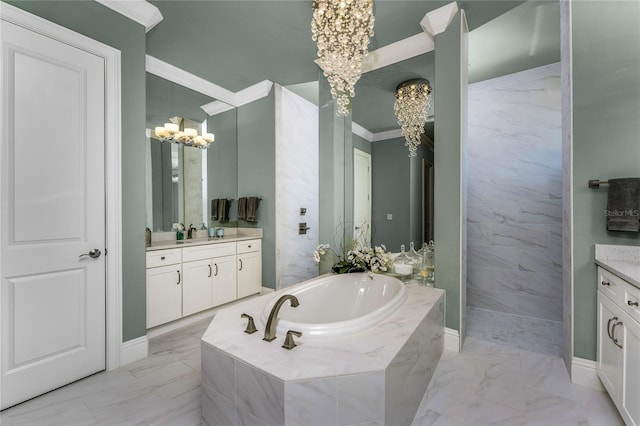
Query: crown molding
x=436 y=21
x=252 y=93
x=216 y=107
x=179 y=76
x=399 y=51
x=375 y=137
x=389 y=134
x=139 y=11
x=357 y=129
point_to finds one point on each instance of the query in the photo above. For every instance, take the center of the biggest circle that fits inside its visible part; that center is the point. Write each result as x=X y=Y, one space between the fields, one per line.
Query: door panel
x=52 y=301
x=362 y=197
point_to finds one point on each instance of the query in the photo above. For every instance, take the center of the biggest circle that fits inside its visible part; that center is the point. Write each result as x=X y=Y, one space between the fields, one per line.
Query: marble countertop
x=161 y=245
x=167 y=240
x=367 y=351
x=623 y=261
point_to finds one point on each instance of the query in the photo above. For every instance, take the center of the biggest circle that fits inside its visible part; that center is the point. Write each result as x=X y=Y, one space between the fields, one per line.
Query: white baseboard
x=583 y=373
x=451 y=340
x=134 y=350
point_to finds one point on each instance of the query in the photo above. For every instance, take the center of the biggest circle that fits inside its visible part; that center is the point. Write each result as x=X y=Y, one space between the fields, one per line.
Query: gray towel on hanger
x=223 y=209
x=242 y=208
x=252 y=209
x=214 y=209
x=623 y=205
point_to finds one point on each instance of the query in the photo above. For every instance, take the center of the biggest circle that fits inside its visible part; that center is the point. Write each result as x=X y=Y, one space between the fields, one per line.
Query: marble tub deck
x=378 y=375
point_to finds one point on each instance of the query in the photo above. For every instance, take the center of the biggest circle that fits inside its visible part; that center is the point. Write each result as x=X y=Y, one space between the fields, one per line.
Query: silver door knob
x=94 y=254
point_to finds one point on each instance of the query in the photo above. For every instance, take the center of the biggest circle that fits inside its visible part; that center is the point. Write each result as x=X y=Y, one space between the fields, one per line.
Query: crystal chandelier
x=175 y=132
x=411 y=108
x=342 y=29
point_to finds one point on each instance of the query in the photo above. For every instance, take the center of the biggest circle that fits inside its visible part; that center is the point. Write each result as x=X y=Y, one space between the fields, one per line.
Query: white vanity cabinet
x=164 y=286
x=186 y=280
x=205 y=277
x=618 y=363
x=249 y=267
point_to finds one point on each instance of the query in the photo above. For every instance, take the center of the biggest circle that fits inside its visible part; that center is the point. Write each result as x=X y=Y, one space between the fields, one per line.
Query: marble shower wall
x=297 y=183
x=515 y=193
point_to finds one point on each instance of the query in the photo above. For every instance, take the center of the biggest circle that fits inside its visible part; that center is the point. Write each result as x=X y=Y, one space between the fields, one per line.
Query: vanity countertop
x=231 y=235
x=623 y=261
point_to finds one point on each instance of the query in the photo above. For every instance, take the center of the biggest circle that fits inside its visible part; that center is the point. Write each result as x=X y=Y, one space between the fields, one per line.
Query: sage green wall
x=222 y=160
x=100 y=23
x=361 y=143
x=257 y=173
x=606 y=125
x=447 y=180
x=396 y=181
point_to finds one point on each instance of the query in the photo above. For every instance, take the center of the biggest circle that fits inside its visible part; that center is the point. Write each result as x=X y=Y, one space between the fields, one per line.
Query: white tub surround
x=378 y=375
x=167 y=240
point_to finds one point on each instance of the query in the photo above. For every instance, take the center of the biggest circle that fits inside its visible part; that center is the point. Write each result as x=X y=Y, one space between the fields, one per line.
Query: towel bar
x=595 y=183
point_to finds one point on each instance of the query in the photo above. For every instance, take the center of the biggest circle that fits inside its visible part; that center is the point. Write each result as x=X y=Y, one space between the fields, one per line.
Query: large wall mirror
x=182 y=180
x=401 y=187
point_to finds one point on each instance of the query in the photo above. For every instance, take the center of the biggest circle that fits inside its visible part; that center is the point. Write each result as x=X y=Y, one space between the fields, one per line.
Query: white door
x=52 y=299
x=362 y=197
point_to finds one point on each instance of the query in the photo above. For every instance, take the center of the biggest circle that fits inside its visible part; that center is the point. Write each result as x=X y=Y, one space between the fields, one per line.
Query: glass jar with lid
x=402 y=265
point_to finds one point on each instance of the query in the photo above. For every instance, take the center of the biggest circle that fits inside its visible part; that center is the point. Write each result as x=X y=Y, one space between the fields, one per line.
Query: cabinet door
x=224 y=279
x=249 y=273
x=164 y=294
x=609 y=355
x=197 y=291
x=630 y=389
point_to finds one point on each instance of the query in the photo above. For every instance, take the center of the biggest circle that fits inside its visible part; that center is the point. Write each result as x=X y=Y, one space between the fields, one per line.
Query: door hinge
x=105 y=251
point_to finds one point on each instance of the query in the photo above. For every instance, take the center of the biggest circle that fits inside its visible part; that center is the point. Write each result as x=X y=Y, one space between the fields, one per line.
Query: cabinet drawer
x=631 y=301
x=208 y=251
x=249 y=246
x=611 y=285
x=163 y=257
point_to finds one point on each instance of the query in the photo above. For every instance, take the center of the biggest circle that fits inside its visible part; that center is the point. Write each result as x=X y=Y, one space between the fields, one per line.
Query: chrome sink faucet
x=270 y=329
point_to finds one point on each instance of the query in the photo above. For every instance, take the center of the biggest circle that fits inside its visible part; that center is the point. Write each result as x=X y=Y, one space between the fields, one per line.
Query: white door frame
x=113 y=188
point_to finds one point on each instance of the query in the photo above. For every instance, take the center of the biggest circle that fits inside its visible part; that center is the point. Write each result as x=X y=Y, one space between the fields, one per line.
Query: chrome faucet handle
x=251 y=327
x=288 y=341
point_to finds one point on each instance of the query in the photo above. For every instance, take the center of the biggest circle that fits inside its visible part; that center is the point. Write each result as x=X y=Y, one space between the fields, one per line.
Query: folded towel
x=623 y=205
x=214 y=209
x=242 y=208
x=252 y=209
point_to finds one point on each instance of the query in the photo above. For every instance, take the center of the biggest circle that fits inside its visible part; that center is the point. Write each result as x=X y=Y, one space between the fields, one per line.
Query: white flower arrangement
x=374 y=259
x=358 y=259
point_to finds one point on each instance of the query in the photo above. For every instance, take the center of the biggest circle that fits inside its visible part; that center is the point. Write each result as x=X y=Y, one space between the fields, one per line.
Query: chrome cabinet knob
x=94 y=254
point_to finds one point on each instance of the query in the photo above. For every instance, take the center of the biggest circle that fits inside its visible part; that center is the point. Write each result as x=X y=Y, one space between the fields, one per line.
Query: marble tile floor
x=520 y=331
x=486 y=384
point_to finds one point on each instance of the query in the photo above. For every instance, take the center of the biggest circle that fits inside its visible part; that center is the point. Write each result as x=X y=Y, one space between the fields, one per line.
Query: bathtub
x=338 y=305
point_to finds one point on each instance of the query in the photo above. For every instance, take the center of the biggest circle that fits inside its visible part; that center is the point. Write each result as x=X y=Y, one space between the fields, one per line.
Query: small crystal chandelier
x=411 y=108
x=175 y=132
x=342 y=29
